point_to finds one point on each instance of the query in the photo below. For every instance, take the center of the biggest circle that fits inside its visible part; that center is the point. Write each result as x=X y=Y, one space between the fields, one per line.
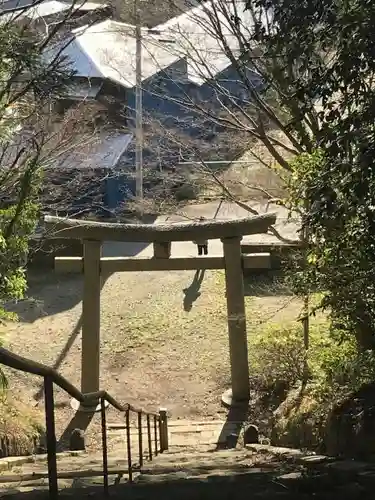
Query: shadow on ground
x=50 y=293
x=65 y=350
x=81 y=420
x=192 y=292
x=230 y=433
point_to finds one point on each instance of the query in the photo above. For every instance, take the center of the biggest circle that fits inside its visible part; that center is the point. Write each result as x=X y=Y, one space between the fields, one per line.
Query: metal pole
x=138 y=105
x=129 y=446
x=104 y=446
x=51 y=438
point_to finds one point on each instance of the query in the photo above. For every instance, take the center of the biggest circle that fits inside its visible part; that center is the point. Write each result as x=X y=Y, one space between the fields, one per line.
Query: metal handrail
x=51 y=377
x=20 y=363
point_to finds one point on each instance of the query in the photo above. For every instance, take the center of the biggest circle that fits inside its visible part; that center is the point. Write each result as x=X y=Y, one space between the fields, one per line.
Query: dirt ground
x=164 y=338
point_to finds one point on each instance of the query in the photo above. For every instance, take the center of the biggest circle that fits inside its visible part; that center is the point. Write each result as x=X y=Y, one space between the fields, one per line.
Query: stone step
x=183 y=433
x=115 y=461
x=214 y=473
x=202 y=455
x=34 y=475
x=8 y=463
x=172 y=424
x=193 y=469
x=82 y=465
x=86 y=463
x=253 y=472
x=86 y=471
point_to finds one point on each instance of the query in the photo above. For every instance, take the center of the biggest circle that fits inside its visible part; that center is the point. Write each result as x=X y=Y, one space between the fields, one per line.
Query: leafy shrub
x=338 y=369
x=15 y=231
x=335 y=363
x=21 y=427
x=276 y=356
x=277 y=353
x=343 y=369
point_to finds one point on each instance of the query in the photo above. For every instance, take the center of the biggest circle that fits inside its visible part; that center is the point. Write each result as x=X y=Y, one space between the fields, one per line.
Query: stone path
x=199 y=470
x=183 y=433
x=24 y=474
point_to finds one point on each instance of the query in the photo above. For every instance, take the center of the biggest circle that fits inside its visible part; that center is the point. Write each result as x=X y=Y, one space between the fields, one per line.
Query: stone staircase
x=198 y=464
x=26 y=474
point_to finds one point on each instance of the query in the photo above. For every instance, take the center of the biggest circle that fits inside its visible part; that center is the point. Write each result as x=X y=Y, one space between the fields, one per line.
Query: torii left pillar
x=90 y=349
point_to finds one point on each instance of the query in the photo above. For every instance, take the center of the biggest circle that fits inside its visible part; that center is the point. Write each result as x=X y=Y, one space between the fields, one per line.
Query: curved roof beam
x=60 y=227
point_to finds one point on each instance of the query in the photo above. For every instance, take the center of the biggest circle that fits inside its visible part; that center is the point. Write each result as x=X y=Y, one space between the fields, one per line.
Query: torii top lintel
x=60 y=227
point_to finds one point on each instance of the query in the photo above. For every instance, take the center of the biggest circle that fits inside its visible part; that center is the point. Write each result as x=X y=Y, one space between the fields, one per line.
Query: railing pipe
x=140 y=444
x=129 y=447
x=20 y=363
x=156 y=436
x=163 y=429
x=149 y=438
x=104 y=446
x=51 y=438
x=51 y=377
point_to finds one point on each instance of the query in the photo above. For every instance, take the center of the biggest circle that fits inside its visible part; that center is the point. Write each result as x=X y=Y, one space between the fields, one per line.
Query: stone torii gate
x=94 y=266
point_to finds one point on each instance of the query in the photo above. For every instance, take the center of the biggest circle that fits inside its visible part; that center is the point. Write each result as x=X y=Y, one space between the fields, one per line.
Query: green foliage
x=343 y=369
x=276 y=356
x=321 y=72
x=15 y=231
x=338 y=369
x=340 y=257
x=27 y=79
x=28 y=83
x=323 y=53
x=336 y=365
x=28 y=86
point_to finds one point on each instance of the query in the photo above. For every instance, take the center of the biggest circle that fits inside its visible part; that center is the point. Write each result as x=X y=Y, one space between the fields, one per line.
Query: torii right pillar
x=239 y=364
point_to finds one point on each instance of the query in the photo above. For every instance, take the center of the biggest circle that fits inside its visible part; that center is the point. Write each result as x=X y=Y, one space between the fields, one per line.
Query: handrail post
x=140 y=441
x=129 y=446
x=104 y=446
x=163 y=429
x=51 y=438
x=149 y=438
x=156 y=435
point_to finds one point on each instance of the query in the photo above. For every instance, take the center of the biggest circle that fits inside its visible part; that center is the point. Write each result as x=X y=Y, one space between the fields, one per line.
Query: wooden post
x=236 y=321
x=162 y=250
x=91 y=316
x=163 y=429
x=51 y=438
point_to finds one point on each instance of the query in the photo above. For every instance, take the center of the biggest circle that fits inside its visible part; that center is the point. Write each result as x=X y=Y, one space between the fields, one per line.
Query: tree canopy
x=327 y=49
x=28 y=85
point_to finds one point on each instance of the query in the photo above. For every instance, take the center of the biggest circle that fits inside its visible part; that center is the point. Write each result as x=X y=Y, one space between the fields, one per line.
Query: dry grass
x=21 y=427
